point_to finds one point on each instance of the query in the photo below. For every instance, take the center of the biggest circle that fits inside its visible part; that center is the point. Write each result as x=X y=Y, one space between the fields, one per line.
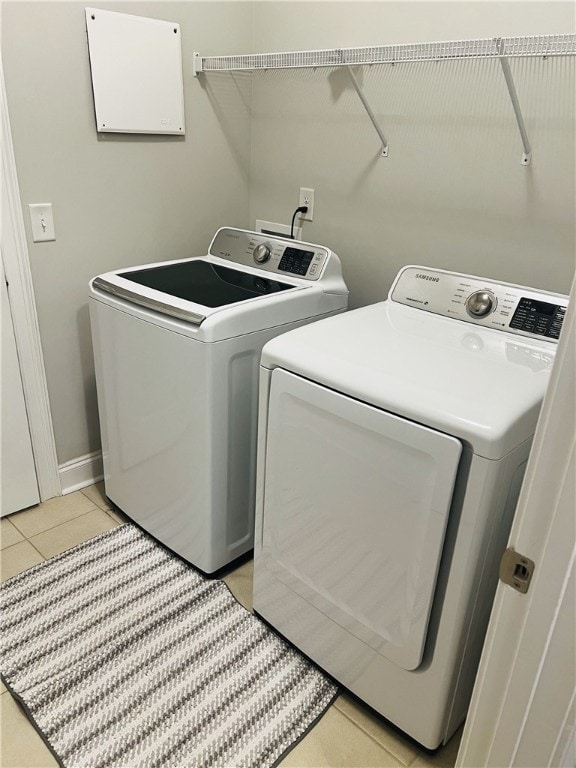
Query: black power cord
x=301 y=209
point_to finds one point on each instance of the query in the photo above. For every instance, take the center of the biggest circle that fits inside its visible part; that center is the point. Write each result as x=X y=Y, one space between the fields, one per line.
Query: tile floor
x=347 y=735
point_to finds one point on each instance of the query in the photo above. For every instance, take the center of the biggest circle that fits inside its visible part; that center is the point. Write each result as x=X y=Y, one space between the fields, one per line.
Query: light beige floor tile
x=240 y=583
x=21 y=747
x=376 y=727
x=335 y=742
x=445 y=757
x=73 y=532
x=51 y=513
x=96 y=494
x=18 y=558
x=9 y=534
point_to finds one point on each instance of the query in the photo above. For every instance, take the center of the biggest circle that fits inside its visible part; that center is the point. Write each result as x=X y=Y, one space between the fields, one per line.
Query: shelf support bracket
x=366 y=106
x=504 y=63
x=197 y=64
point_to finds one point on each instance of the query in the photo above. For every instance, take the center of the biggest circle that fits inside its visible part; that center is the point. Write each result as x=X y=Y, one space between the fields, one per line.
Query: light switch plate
x=42 y=222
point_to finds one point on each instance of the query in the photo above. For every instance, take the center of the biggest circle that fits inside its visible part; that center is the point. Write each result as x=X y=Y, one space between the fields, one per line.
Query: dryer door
x=356 y=502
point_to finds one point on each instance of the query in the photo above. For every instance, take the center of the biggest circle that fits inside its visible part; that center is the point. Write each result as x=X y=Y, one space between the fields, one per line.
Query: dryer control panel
x=478 y=300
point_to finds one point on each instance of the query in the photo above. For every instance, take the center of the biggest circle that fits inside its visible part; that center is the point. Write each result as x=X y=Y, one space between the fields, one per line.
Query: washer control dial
x=481 y=303
x=261 y=253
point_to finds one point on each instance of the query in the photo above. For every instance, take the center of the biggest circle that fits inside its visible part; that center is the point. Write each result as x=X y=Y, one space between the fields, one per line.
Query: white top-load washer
x=392 y=445
x=176 y=347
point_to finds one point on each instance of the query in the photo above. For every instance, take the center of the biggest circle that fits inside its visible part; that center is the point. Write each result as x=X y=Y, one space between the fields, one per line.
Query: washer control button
x=261 y=253
x=480 y=303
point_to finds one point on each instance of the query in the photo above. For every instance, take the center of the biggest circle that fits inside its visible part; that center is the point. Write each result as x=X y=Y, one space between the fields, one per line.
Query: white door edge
x=523 y=700
x=23 y=308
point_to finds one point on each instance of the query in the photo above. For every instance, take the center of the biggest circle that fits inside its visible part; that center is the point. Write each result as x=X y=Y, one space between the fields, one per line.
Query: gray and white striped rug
x=125 y=656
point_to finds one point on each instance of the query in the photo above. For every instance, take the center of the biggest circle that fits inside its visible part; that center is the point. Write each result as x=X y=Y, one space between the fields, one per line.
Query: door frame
x=24 y=317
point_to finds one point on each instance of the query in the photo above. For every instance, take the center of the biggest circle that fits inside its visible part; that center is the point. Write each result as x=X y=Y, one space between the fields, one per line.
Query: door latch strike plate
x=516 y=570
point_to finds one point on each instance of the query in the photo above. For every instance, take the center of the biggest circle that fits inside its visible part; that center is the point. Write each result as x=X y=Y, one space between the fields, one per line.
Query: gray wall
x=118 y=200
x=452 y=192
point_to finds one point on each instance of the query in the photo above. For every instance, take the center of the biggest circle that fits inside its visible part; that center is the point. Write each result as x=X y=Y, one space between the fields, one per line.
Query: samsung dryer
x=176 y=347
x=393 y=442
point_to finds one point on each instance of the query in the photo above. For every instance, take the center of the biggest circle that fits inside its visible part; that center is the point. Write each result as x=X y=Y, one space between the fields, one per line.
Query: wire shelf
x=500 y=48
x=495 y=47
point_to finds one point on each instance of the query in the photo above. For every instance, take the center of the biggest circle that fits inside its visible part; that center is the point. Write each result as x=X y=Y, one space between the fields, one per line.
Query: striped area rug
x=124 y=656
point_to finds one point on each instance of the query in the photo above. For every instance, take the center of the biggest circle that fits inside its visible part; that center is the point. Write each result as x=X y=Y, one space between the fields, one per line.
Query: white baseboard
x=80 y=472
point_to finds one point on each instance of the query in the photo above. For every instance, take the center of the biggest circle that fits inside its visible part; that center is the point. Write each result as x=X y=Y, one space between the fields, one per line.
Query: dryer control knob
x=261 y=253
x=480 y=304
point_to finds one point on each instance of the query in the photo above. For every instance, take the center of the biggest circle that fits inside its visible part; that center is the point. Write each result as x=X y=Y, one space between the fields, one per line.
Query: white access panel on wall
x=136 y=66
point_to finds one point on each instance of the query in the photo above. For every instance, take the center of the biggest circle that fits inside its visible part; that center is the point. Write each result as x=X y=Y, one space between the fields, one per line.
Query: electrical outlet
x=307 y=198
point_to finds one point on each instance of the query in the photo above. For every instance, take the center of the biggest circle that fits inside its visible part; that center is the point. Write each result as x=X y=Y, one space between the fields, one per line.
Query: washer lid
x=193 y=281
x=480 y=385
x=248 y=281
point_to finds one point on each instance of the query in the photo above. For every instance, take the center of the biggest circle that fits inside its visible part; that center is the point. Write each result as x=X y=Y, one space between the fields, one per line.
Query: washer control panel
x=271 y=254
x=477 y=300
